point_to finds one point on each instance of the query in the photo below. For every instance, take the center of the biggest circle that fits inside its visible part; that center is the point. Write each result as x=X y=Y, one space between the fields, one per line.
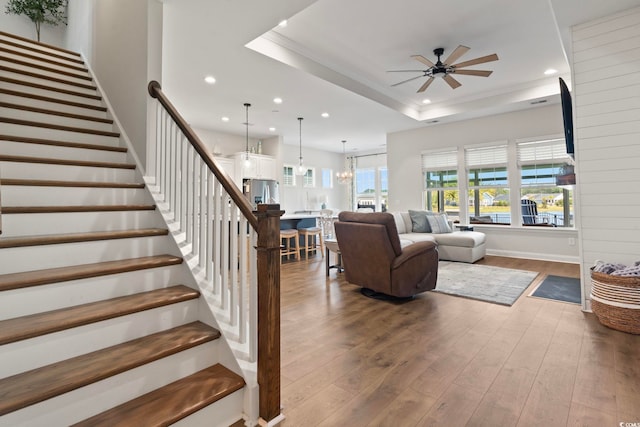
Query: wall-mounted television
x=567 y=117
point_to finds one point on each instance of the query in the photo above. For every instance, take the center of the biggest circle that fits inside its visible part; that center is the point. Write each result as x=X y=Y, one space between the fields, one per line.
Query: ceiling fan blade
x=422 y=59
x=481 y=60
x=426 y=85
x=405 y=71
x=451 y=81
x=405 y=81
x=457 y=53
x=479 y=73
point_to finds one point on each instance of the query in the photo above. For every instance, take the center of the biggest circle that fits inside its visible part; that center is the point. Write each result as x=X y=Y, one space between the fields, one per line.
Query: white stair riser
x=15 y=113
x=11 y=58
x=68 y=83
x=63 y=255
x=40 y=351
x=43 y=51
x=36 y=299
x=13 y=148
x=222 y=413
x=59 y=135
x=30 y=102
x=19 y=195
x=50 y=93
x=82 y=403
x=33 y=224
x=65 y=172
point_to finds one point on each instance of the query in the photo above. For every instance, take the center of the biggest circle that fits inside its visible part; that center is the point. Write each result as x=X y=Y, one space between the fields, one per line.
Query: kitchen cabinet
x=227 y=165
x=260 y=166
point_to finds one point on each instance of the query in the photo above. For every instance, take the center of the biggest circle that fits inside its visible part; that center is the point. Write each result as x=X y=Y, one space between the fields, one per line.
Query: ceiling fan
x=447 y=68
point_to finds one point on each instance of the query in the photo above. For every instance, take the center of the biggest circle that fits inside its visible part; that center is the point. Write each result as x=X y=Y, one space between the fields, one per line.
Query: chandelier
x=346 y=175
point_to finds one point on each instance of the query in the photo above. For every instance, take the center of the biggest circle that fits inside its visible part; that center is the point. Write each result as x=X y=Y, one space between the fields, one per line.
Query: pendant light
x=302 y=169
x=346 y=175
x=247 y=160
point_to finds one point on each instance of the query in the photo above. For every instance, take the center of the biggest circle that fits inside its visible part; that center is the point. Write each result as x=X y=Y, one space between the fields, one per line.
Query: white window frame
x=289 y=180
x=439 y=161
x=330 y=172
x=309 y=178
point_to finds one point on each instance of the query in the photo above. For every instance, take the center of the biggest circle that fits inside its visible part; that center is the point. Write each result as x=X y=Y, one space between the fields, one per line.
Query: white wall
x=22 y=26
x=606 y=70
x=405 y=175
x=79 y=34
x=123 y=62
x=299 y=198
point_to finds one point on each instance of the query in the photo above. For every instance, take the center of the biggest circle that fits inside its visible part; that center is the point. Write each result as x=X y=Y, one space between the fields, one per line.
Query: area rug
x=559 y=288
x=482 y=282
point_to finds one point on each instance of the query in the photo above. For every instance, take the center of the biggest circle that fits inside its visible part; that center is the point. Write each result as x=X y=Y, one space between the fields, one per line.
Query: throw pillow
x=419 y=223
x=439 y=223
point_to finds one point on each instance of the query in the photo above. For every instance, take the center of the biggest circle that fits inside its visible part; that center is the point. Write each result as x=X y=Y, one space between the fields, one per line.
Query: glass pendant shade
x=346 y=175
x=301 y=169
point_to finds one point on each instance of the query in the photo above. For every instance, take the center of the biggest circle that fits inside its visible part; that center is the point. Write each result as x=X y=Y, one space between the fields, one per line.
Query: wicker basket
x=615 y=300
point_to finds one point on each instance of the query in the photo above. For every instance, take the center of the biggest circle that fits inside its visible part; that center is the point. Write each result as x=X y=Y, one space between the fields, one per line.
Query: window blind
x=486 y=156
x=439 y=160
x=553 y=150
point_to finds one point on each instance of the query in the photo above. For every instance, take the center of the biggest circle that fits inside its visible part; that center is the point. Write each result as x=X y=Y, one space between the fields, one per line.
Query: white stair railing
x=216 y=237
x=233 y=253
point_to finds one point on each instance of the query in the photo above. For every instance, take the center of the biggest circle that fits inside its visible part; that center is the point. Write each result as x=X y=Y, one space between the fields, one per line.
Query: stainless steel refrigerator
x=261 y=191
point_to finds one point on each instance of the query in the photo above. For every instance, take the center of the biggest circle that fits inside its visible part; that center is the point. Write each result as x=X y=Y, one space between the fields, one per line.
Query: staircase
x=101 y=322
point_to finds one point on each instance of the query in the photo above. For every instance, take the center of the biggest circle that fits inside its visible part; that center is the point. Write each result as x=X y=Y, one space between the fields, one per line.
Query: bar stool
x=310 y=246
x=287 y=248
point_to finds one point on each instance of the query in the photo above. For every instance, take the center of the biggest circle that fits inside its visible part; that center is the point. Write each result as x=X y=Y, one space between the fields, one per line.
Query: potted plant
x=39 y=11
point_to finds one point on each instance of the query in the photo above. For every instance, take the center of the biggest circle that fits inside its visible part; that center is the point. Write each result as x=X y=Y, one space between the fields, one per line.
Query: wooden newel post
x=268 y=252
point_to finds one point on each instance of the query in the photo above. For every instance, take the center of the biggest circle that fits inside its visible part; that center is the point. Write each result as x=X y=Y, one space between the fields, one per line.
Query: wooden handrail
x=155 y=90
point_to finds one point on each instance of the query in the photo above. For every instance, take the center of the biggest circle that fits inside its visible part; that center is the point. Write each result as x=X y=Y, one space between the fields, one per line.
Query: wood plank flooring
x=440 y=360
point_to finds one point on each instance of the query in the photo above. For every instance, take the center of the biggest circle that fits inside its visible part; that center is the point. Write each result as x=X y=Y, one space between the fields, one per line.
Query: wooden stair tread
x=28 y=140
x=33 y=49
x=40 y=45
x=7 y=210
x=48 y=78
x=50 y=99
x=50 y=88
x=58 y=127
x=75 y=66
x=172 y=402
x=24 y=389
x=55 y=183
x=55 y=113
x=55 y=239
x=49 y=69
x=34 y=325
x=75 y=272
x=54 y=161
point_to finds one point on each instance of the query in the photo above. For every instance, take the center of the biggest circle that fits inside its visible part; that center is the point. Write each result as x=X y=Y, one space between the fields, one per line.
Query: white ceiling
x=333 y=56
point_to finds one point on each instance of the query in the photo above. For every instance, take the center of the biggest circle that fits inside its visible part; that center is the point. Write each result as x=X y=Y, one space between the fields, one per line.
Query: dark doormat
x=559 y=288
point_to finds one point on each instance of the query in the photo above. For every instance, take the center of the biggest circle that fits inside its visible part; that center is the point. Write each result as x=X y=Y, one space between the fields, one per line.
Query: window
x=440 y=179
x=289 y=176
x=543 y=202
x=309 y=178
x=372 y=188
x=488 y=197
x=327 y=178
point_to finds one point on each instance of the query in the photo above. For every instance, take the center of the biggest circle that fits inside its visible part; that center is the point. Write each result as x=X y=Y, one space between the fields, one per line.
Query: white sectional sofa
x=463 y=246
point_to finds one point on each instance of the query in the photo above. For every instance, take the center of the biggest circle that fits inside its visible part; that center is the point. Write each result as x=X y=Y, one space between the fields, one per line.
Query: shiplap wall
x=606 y=79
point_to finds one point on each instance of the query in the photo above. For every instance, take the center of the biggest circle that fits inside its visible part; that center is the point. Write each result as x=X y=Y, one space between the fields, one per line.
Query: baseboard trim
x=535 y=255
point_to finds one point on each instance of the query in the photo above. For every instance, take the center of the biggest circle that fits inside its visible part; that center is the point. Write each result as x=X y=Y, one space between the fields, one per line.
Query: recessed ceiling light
x=282 y=23
x=325 y=115
x=272 y=129
x=225 y=119
x=426 y=101
x=550 y=71
x=277 y=100
x=210 y=79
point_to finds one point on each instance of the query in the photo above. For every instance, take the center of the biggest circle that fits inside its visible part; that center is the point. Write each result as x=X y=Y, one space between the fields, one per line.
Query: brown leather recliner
x=373 y=258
